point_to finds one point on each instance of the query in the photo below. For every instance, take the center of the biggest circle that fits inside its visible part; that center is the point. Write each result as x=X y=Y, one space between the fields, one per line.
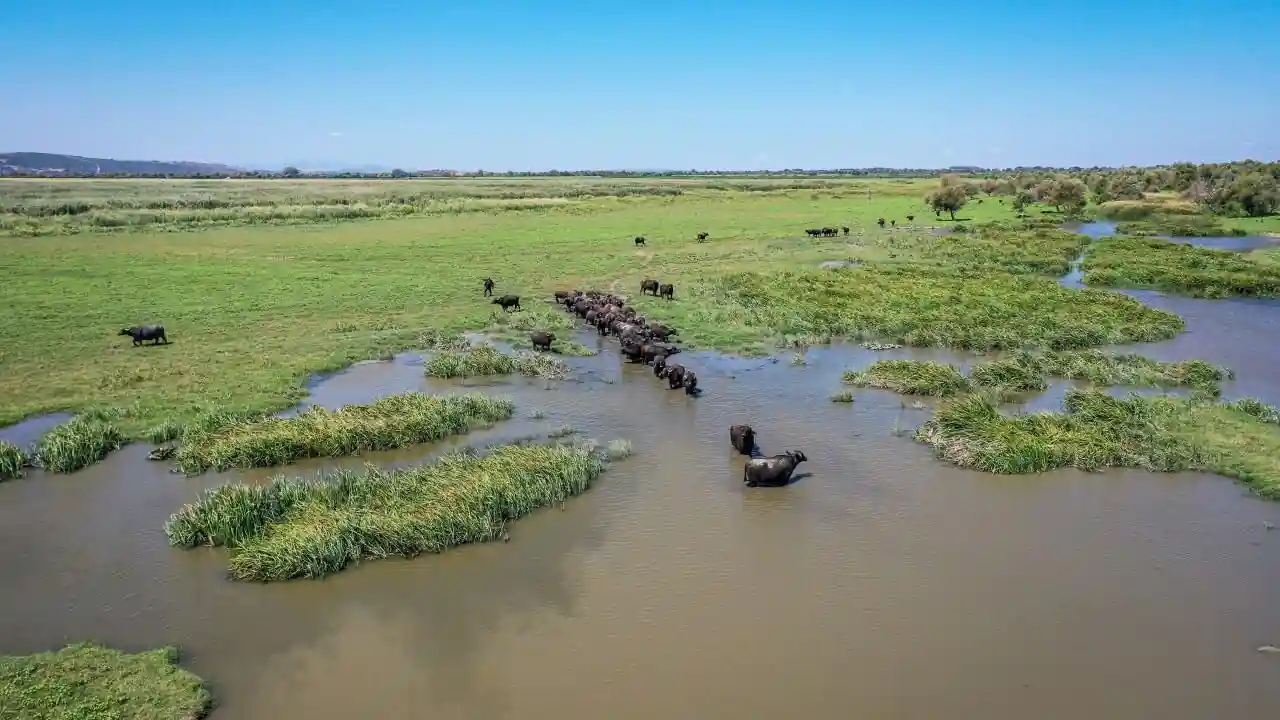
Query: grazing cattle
x=674 y=375
x=772 y=471
x=488 y=287
x=667 y=290
x=880 y=222
x=845 y=228
x=154 y=333
x=690 y=383
x=639 y=240
x=703 y=236
x=649 y=287
x=541 y=340
x=911 y=218
x=743 y=439
x=507 y=302
x=563 y=296
x=813 y=232
x=830 y=232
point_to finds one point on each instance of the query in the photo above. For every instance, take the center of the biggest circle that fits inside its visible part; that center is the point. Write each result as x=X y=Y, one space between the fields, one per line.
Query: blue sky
x=504 y=85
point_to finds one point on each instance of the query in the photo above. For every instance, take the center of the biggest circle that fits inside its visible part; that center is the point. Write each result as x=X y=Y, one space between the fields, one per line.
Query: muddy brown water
x=882 y=584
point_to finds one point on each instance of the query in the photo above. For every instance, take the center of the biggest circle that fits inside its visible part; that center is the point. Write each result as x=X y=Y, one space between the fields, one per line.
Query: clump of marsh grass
x=12 y=461
x=163 y=433
x=1025 y=370
x=80 y=442
x=392 y=422
x=527 y=321
x=1258 y=409
x=618 y=449
x=572 y=349
x=1144 y=262
x=1096 y=430
x=91 y=681
x=910 y=377
x=295 y=528
x=562 y=431
x=432 y=339
x=842 y=396
x=484 y=360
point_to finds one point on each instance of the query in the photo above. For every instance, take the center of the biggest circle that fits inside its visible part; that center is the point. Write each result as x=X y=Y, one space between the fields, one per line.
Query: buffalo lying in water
x=772 y=471
x=743 y=439
x=154 y=333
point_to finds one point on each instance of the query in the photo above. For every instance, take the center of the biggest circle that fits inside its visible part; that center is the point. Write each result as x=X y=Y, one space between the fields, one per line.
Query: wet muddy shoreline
x=882 y=583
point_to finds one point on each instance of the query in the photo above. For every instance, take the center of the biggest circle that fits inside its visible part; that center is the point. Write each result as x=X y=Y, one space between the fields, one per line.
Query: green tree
x=291 y=171
x=949 y=198
x=398 y=173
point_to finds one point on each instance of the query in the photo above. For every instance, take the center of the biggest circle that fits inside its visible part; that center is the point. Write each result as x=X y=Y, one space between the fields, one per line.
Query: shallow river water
x=882 y=584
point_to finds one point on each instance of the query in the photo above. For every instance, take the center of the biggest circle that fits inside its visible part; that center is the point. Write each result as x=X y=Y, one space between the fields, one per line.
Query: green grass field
x=252 y=310
x=1146 y=262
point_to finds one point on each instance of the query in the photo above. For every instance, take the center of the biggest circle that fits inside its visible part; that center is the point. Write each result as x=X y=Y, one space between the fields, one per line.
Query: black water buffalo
x=661 y=332
x=154 y=333
x=880 y=222
x=703 y=235
x=633 y=352
x=691 y=382
x=541 y=340
x=653 y=351
x=640 y=240
x=893 y=223
x=813 y=232
x=660 y=366
x=507 y=302
x=674 y=375
x=772 y=471
x=563 y=296
x=845 y=228
x=830 y=232
x=488 y=287
x=648 y=287
x=743 y=439
x=911 y=218
x=667 y=290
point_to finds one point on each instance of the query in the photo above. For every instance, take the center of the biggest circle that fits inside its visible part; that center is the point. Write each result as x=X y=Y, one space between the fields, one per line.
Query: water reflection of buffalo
x=772 y=471
x=154 y=333
x=541 y=340
x=507 y=302
x=743 y=439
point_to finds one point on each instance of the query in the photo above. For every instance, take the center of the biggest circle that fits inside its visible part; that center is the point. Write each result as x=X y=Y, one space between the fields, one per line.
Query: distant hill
x=51 y=164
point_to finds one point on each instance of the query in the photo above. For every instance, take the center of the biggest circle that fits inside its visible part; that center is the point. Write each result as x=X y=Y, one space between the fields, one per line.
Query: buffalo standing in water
x=507 y=302
x=488 y=287
x=154 y=333
x=675 y=375
x=772 y=471
x=541 y=340
x=743 y=439
x=691 y=383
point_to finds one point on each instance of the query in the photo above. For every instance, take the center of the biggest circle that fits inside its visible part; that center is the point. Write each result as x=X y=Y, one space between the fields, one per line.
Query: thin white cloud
x=335 y=134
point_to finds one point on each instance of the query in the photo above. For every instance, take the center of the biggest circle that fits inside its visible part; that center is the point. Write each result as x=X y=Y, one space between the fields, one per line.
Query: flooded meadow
x=881 y=583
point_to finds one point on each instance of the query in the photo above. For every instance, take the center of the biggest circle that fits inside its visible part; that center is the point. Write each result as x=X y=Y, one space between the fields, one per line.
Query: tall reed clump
x=1096 y=430
x=80 y=442
x=1144 y=262
x=12 y=461
x=483 y=360
x=91 y=681
x=295 y=528
x=910 y=377
x=392 y=422
x=1026 y=370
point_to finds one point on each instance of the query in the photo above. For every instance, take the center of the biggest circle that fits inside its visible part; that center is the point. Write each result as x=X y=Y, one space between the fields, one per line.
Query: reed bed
x=91 y=681
x=297 y=528
x=920 y=307
x=78 y=443
x=1096 y=430
x=1009 y=375
x=1179 y=226
x=12 y=461
x=1026 y=370
x=484 y=360
x=231 y=441
x=910 y=377
x=1153 y=263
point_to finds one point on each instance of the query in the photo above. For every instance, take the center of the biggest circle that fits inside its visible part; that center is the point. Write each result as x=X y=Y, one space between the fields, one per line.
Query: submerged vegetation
x=310 y=528
x=392 y=422
x=91 y=681
x=1096 y=430
x=482 y=360
x=12 y=461
x=79 y=442
x=925 y=308
x=1141 y=262
x=1179 y=226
